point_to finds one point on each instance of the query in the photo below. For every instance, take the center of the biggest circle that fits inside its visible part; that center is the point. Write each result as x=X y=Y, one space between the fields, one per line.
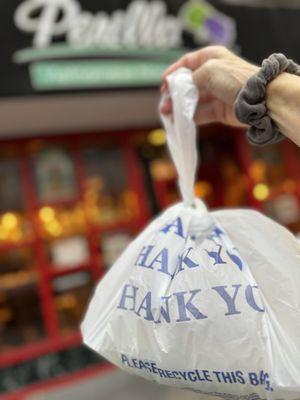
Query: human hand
x=220 y=75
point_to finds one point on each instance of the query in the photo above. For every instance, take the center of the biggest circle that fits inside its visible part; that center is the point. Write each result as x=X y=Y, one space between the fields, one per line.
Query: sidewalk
x=114 y=385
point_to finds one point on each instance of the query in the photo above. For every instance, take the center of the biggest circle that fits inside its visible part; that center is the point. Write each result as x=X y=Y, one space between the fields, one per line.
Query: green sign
x=54 y=75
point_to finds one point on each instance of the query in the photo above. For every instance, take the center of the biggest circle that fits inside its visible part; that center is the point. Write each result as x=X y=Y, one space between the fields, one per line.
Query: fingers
x=190 y=60
x=195 y=59
x=216 y=111
x=166 y=107
x=205 y=97
x=186 y=61
x=205 y=114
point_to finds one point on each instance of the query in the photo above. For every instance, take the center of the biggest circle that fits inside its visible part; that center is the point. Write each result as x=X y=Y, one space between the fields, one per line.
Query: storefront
x=83 y=167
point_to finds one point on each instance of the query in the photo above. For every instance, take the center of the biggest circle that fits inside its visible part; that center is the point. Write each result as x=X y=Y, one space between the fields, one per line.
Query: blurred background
x=83 y=165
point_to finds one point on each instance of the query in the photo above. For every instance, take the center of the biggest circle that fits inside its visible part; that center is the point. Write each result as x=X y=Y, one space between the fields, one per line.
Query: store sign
x=142 y=23
x=74 y=48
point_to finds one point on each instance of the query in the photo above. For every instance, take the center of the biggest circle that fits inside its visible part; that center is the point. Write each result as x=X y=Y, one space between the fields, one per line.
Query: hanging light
x=257 y=171
x=9 y=221
x=47 y=214
x=203 y=189
x=261 y=191
x=54 y=228
x=157 y=137
x=3 y=234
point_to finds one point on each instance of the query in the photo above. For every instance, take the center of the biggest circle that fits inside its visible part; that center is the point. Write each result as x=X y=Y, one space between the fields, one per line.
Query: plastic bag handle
x=181 y=130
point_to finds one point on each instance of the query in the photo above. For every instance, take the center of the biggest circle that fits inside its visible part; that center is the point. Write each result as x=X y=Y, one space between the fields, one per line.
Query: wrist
x=282 y=100
x=277 y=91
x=251 y=104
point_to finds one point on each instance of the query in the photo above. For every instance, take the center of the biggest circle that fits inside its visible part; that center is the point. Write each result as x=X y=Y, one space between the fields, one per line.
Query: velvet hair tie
x=250 y=105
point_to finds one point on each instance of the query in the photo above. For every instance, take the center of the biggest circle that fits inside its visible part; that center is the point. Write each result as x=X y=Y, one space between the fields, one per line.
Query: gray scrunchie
x=250 y=105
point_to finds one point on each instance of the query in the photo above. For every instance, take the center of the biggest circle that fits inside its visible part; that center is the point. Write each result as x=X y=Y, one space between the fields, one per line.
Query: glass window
x=14 y=225
x=107 y=196
x=112 y=246
x=268 y=166
x=54 y=175
x=11 y=196
x=69 y=252
x=20 y=314
x=235 y=183
x=72 y=293
x=61 y=221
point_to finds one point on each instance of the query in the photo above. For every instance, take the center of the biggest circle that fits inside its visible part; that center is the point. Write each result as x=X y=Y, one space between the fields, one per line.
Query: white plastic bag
x=207 y=301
